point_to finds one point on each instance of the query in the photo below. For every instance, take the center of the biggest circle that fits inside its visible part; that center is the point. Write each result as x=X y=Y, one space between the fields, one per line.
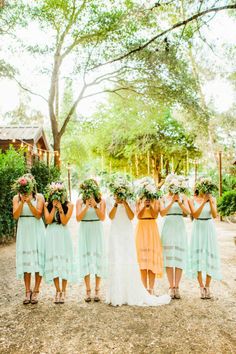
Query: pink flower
x=23 y=182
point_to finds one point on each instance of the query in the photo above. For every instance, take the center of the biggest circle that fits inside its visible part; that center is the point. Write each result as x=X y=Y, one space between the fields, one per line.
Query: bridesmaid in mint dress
x=59 y=260
x=174 y=239
x=30 y=237
x=204 y=252
x=91 y=251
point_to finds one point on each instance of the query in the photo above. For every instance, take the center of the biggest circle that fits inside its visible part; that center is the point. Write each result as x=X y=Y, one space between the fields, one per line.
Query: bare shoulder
x=70 y=205
x=40 y=197
x=79 y=202
x=103 y=202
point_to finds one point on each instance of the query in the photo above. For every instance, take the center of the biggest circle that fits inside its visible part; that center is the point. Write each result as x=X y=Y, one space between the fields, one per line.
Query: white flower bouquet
x=147 y=189
x=120 y=187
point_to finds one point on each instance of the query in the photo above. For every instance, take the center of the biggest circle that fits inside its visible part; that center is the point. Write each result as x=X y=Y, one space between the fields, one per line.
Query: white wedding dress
x=124 y=285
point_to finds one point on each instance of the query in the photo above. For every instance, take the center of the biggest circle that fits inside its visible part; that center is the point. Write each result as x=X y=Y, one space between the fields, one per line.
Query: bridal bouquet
x=177 y=184
x=206 y=186
x=24 y=185
x=89 y=189
x=56 y=191
x=120 y=187
x=146 y=189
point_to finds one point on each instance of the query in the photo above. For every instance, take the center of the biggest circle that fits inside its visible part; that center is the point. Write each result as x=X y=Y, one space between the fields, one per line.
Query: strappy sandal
x=34 y=297
x=172 y=293
x=97 y=297
x=203 y=292
x=208 y=293
x=57 y=298
x=62 y=297
x=27 y=298
x=88 y=297
x=177 y=294
x=151 y=291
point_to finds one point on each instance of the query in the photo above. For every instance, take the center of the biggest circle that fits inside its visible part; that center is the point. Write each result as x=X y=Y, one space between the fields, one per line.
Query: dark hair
x=64 y=207
x=196 y=192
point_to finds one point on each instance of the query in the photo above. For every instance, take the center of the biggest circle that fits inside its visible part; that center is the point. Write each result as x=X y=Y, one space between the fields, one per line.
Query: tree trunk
x=57 y=149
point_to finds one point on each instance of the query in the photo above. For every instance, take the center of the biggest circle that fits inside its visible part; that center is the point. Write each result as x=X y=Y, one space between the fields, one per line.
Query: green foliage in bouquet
x=56 y=191
x=88 y=189
x=146 y=189
x=206 y=186
x=24 y=185
x=120 y=187
x=227 y=203
x=177 y=184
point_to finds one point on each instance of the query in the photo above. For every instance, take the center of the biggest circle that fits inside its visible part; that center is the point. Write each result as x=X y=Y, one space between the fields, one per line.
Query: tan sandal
x=27 y=297
x=203 y=292
x=62 y=297
x=34 y=297
x=177 y=294
x=172 y=293
x=88 y=297
x=207 y=293
x=57 y=298
x=97 y=297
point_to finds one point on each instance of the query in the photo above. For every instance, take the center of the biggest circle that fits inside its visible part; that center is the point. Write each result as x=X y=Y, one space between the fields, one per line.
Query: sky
x=218 y=91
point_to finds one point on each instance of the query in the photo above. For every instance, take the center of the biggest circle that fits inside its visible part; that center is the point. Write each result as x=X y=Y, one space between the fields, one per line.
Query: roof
x=22 y=133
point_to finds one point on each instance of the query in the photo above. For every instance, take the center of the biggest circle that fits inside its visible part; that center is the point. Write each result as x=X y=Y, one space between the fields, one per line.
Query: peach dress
x=148 y=244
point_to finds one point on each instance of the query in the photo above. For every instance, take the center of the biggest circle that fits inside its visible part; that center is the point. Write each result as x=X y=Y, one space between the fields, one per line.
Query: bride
x=124 y=282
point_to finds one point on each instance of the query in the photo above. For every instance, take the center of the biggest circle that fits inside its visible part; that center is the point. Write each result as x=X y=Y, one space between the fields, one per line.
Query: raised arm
x=184 y=205
x=213 y=206
x=49 y=216
x=196 y=212
x=100 y=210
x=80 y=210
x=17 y=206
x=155 y=208
x=38 y=210
x=164 y=210
x=128 y=210
x=65 y=217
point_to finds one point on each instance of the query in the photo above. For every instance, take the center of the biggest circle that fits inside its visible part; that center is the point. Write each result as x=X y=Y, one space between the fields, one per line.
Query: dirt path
x=190 y=325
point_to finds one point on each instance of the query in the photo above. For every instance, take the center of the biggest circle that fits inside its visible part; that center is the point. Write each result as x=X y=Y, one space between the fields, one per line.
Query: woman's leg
x=151 y=280
x=34 y=298
x=208 y=280
x=88 y=288
x=144 y=277
x=170 y=276
x=97 y=288
x=27 y=279
x=38 y=279
x=202 y=288
x=178 y=275
x=64 y=285
x=57 y=284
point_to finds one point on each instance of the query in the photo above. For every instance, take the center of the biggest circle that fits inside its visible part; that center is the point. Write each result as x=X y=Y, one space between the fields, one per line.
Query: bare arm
x=184 y=205
x=38 y=210
x=49 y=217
x=155 y=208
x=80 y=211
x=140 y=210
x=17 y=207
x=101 y=210
x=163 y=210
x=128 y=210
x=196 y=212
x=65 y=217
x=113 y=211
x=213 y=206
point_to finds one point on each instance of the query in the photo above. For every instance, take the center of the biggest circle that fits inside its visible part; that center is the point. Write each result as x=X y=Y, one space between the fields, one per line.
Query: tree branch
x=175 y=26
x=30 y=91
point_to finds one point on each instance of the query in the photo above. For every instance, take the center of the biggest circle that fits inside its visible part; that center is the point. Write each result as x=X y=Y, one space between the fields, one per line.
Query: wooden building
x=31 y=139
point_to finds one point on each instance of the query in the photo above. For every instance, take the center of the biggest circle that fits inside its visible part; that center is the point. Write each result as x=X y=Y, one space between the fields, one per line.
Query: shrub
x=227 y=203
x=44 y=175
x=12 y=166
